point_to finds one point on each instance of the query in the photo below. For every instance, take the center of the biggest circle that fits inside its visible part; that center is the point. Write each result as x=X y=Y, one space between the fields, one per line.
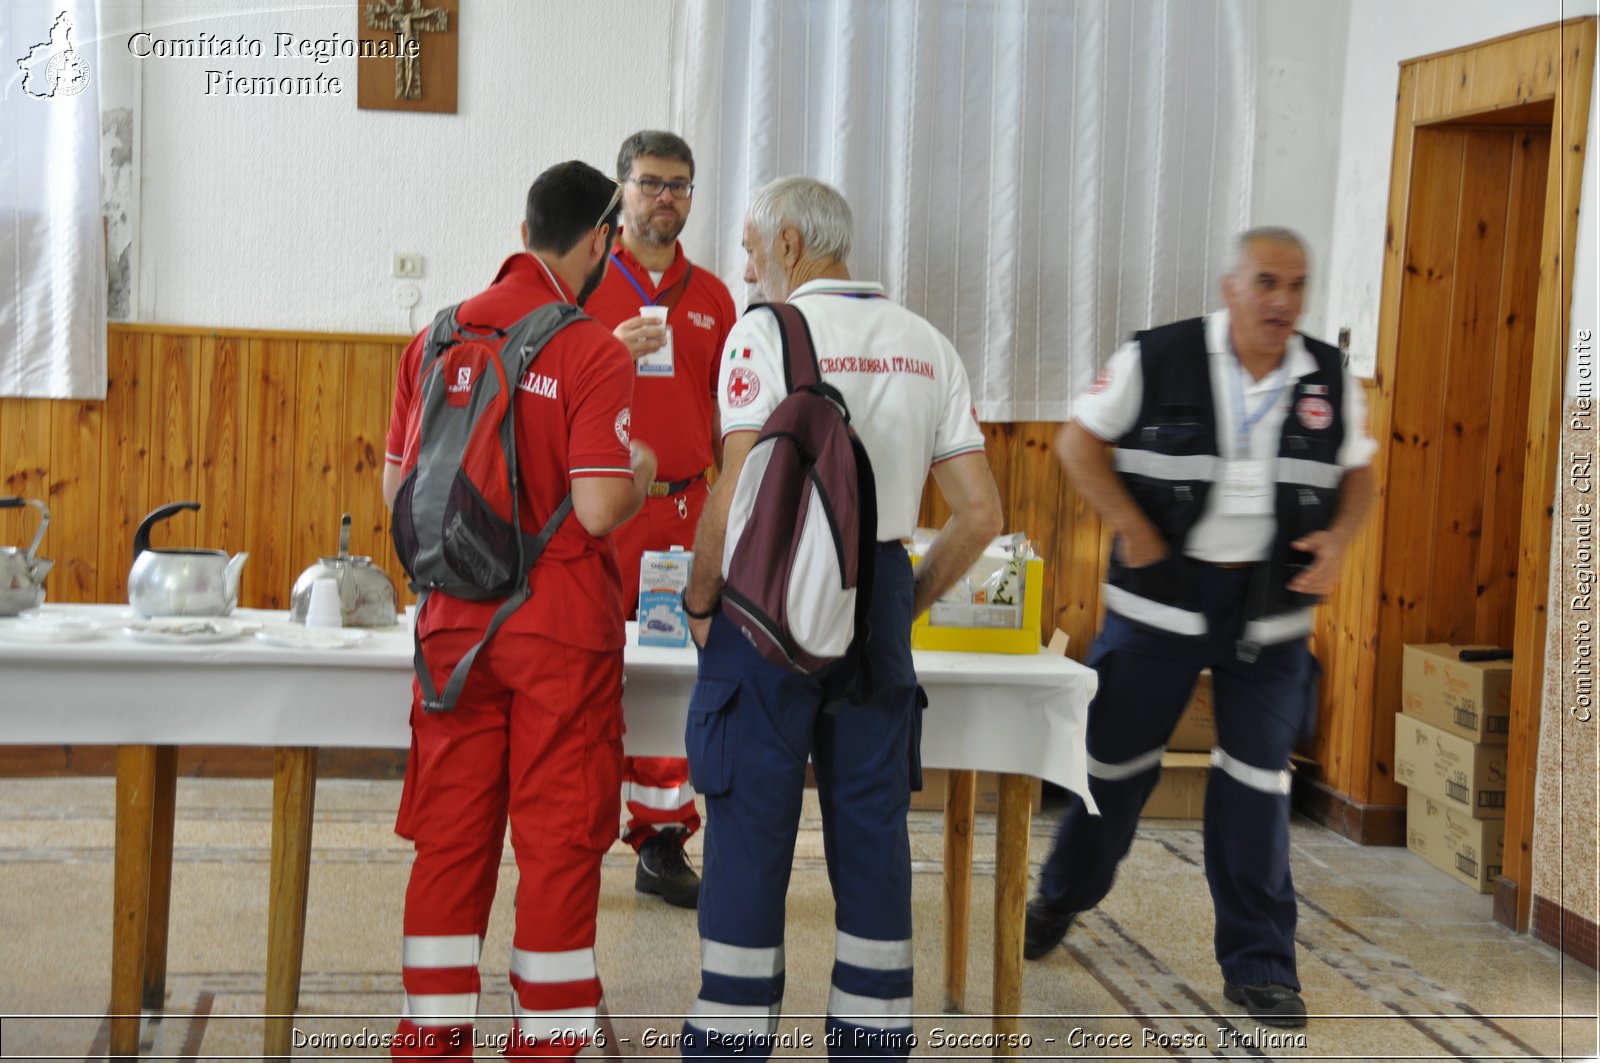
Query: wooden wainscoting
x=274 y=434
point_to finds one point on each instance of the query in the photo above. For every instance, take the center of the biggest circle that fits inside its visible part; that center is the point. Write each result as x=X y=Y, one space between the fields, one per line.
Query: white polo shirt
x=1111 y=407
x=904 y=383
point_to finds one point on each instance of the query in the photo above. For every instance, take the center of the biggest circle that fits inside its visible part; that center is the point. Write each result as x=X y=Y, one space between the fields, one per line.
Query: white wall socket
x=407 y=295
x=407 y=264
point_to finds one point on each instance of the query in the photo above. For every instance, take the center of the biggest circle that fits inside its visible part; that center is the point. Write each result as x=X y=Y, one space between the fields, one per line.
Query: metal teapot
x=181 y=582
x=22 y=573
x=367 y=597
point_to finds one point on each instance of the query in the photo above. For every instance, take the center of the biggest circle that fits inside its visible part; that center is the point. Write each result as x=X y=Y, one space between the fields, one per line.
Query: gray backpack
x=457 y=526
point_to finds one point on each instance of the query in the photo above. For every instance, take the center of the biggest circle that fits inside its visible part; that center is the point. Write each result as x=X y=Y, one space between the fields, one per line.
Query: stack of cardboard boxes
x=1181 y=793
x=1450 y=754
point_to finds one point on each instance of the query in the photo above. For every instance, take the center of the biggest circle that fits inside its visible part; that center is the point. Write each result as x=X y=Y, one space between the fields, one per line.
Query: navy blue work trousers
x=1263 y=707
x=752 y=726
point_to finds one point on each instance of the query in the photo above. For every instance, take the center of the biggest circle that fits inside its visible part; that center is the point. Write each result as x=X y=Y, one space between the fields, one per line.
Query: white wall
x=1382 y=33
x=1299 y=87
x=285 y=212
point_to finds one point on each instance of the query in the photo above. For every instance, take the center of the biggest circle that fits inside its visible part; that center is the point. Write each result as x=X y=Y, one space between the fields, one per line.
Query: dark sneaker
x=1268 y=1002
x=665 y=871
x=1046 y=926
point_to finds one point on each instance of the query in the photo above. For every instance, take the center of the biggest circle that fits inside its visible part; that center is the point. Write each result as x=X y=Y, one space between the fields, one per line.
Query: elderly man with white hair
x=753 y=724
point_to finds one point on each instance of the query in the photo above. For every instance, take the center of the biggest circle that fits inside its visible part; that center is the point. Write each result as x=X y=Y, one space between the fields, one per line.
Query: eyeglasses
x=611 y=206
x=652 y=187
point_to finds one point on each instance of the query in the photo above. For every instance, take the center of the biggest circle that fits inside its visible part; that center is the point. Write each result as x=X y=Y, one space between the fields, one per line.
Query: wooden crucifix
x=419 y=38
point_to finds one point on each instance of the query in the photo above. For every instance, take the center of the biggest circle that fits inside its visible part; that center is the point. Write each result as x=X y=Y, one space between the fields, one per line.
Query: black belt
x=664 y=488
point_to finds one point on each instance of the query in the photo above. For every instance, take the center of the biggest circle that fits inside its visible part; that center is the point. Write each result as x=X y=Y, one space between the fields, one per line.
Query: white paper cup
x=323 y=610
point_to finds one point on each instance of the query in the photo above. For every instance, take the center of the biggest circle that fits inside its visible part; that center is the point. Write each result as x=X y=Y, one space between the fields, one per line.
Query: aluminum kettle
x=22 y=572
x=181 y=582
x=367 y=597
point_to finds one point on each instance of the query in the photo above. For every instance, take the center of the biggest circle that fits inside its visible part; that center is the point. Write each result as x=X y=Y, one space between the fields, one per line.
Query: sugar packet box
x=663 y=575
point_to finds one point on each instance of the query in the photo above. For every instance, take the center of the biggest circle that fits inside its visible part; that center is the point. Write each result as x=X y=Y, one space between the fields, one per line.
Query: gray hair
x=816 y=209
x=1268 y=234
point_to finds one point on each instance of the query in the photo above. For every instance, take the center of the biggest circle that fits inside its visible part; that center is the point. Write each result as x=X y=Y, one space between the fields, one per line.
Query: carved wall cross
x=420 y=34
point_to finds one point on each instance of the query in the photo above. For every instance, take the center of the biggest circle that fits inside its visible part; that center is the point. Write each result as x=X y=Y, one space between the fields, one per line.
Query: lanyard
x=627 y=275
x=849 y=293
x=1248 y=420
x=661 y=297
x=560 y=292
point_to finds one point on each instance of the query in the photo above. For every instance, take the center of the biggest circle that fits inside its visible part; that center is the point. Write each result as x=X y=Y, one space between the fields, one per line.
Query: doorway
x=1466 y=399
x=1456 y=453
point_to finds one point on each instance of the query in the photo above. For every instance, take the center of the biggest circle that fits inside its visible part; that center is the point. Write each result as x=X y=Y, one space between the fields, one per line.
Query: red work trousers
x=657 y=789
x=535 y=738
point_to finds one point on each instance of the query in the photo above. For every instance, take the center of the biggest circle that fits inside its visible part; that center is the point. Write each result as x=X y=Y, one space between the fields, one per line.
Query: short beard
x=772 y=285
x=592 y=281
x=644 y=231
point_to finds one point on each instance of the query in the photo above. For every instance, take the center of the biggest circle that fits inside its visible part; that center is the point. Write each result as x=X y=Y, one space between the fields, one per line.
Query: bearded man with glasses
x=536 y=734
x=675 y=412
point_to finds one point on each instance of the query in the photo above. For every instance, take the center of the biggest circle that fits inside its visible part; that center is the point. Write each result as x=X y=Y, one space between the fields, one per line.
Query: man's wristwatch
x=707 y=615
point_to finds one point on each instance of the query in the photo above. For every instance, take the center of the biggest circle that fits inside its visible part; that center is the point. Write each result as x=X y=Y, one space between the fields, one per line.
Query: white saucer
x=300 y=637
x=49 y=627
x=179 y=630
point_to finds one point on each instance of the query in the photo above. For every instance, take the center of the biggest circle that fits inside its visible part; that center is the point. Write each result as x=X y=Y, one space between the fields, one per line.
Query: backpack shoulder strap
x=441 y=337
x=531 y=333
x=800 y=369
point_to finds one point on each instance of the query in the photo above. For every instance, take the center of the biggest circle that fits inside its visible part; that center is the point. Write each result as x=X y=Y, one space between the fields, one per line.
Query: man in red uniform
x=675 y=412
x=537 y=732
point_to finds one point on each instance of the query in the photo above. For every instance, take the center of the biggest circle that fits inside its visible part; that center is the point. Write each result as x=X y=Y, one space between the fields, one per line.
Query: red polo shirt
x=572 y=421
x=672 y=413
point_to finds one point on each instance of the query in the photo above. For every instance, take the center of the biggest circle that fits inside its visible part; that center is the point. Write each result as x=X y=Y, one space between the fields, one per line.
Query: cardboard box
x=973 y=628
x=1181 y=793
x=663 y=575
x=935 y=781
x=1467 y=698
x=1197 y=727
x=1467 y=776
x=1471 y=850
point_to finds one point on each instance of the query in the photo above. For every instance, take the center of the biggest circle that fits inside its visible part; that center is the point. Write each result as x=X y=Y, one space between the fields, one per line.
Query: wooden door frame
x=1491 y=79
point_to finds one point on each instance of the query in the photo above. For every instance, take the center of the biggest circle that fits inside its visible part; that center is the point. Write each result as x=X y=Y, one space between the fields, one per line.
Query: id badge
x=1247 y=489
x=659 y=363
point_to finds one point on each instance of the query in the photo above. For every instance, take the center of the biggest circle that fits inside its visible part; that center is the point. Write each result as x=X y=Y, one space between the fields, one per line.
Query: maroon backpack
x=803 y=525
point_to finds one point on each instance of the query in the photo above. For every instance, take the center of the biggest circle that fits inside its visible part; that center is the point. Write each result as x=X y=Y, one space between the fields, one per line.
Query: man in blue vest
x=1230 y=455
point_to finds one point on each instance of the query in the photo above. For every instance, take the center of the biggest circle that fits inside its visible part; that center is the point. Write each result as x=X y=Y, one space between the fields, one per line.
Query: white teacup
x=323 y=609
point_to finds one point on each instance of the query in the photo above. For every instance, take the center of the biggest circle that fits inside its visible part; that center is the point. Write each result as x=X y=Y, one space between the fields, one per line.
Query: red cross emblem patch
x=743 y=386
x=1315 y=414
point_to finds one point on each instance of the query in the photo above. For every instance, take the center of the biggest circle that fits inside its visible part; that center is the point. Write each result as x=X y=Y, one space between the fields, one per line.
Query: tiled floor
x=1399 y=961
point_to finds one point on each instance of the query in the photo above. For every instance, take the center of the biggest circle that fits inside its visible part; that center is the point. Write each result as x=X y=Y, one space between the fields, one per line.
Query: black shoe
x=1268 y=1002
x=665 y=871
x=1045 y=928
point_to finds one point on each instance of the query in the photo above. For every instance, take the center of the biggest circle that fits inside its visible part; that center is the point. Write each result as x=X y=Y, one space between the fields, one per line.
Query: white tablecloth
x=1008 y=713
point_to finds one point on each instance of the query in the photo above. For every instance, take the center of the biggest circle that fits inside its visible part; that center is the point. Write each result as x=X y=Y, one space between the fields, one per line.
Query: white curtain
x=1037 y=177
x=52 y=258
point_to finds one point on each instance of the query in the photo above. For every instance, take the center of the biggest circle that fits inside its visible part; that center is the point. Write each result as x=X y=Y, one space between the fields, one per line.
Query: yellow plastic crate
x=1025 y=639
